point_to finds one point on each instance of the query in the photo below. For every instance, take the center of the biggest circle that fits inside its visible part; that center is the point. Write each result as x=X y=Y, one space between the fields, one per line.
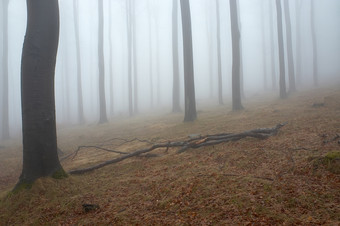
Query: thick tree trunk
x=283 y=92
x=236 y=55
x=189 y=82
x=40 y=156
x=175 y=62
x=314 y=42
x=102 y=100
x=219 y=58
x=291 y=72
x=78 y=65
x=5 y=115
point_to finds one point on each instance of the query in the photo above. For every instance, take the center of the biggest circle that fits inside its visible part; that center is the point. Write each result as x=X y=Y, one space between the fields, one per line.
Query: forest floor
x=290 y=178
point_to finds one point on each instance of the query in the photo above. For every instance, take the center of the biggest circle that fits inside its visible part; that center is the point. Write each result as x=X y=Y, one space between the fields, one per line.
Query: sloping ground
x=281 y=180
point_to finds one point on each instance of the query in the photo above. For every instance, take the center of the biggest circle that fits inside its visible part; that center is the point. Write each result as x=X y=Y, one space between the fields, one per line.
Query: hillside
x=291 y=178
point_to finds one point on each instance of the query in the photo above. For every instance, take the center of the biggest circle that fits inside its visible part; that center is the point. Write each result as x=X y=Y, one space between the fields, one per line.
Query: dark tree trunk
x=78 y=65
x=175 y=62
x=134 y=49
x=283 y=92
x=291 y=72
x=314 y=42
x=219 y=60
x=272 y=46
x=189 y=82
x=129 y=48
x=40 y=156
x=5 y=118
x=236 y=55
x=102 y=100
x=298 y=42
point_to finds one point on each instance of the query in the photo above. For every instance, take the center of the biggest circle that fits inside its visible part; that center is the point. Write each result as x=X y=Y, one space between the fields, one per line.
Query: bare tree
x=175 y=61
x=111 y=58
x=40 y=156
x=315 y=46
x=236 y=55
x=283 y=92
x=264 y=47
x=219 y=58
x=5 y=115
x=102 y=100
x=272 y=45
x=291 y=72
x=189 y=83
x=134 y=53
x=78 y=65
x=298 y=67
x=129 y=48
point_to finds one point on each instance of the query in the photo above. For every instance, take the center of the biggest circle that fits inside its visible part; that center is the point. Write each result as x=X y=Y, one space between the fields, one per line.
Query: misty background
x=154 y=53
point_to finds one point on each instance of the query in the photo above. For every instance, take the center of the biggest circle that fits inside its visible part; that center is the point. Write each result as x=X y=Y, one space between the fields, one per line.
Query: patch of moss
x=331 y=161
x=21 y=185
x=59 y=174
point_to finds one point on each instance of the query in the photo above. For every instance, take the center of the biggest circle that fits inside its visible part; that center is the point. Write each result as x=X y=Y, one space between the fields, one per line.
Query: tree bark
x=189 y=82
x=175 y=61
x=111 y=59
x=272 y=46
x=102 y=99
x=40 y=156
x=298 y=42
x=264 y=47
x=283 y=92
x=236 y=56
x=314 y=43
x=129 y=49
x=5 y=115
x=134 y=49
x=219 y=58
x=78 y=64
x=291 y=72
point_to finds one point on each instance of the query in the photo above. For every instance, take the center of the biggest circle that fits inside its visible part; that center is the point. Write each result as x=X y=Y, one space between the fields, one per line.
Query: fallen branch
x=196 y=142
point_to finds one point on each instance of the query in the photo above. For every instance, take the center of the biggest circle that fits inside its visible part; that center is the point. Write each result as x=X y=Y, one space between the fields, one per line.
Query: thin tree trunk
x=134 y=49
x=272 y=46
x=236 y=55
x=298 y=42
x=189 y=82
x=78 y=64
x=315 y=46
x=283 y=92
x=5 y=115
x=219 y=58
x=129 y=48
x=40 y=156
x=291 y=72
x=264 y=47
x=175 y=62
x=111 y=59
x=150 y=59
x=102 y=100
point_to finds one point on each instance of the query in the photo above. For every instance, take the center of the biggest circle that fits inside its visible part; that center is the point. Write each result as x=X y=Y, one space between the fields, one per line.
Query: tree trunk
x=235 y=37
x=134 y=49
x=272 y=46
x=102 y=100
x=111 y=60
x=78 y=65
x=175 y=62
x=264 y=47
x=5 y=115
x=40 y=156
x=283 y=93
x=129 y=48
x=291 y=72
x=189 y=82
x=298 y=42
x=314 y=42
x=150 y=59
x=219 y=58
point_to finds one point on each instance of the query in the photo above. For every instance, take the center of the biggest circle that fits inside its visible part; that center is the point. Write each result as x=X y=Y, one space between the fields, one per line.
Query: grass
x=223 y=184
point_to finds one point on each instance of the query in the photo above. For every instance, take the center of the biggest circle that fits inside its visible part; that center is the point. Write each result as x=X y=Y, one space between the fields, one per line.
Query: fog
x=154 y=53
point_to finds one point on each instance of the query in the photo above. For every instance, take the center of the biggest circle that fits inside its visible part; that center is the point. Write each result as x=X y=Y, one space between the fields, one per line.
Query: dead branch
x=196 y=142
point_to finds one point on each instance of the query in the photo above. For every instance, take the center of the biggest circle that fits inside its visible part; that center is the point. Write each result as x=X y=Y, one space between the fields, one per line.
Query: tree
x=102 y=101
x=110 y=58
x=175 y=62
x=189 y=82
x=129 y=48
x=283 y=92
x=236 y=55
x=314 y=42
x=219 y=61
x=291 y=72
x=134 y=49
x=272 y=46
x=298 y=5
x=150 y=56
x=264 y=47
x=5 y=115
x=40 y=156
x=78 y=65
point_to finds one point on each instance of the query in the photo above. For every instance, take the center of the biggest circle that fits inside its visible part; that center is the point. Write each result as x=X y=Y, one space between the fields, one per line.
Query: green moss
x=21 y=185
x=331 y=161
x=59 y=174
x=331 y=156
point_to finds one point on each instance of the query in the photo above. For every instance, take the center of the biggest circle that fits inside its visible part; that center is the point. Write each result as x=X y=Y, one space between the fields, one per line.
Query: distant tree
x=236 y=56
x=219 y=60
x=4 y=113
x=150 y=56
x=102 y=100
x=134 y=53
x=272 y=46
x=298 y=67
x=40 y=156
x=210 y=37
x=283 y=92
x=129 y=49
x=264 y=47
x=189 y=82
x=315 y=45
x=291 y=72
x=175 y=61
x=78 y=63
x=111 y=58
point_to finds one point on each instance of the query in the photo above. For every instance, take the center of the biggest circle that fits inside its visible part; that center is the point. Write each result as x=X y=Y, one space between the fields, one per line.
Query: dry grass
x=269 y=182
